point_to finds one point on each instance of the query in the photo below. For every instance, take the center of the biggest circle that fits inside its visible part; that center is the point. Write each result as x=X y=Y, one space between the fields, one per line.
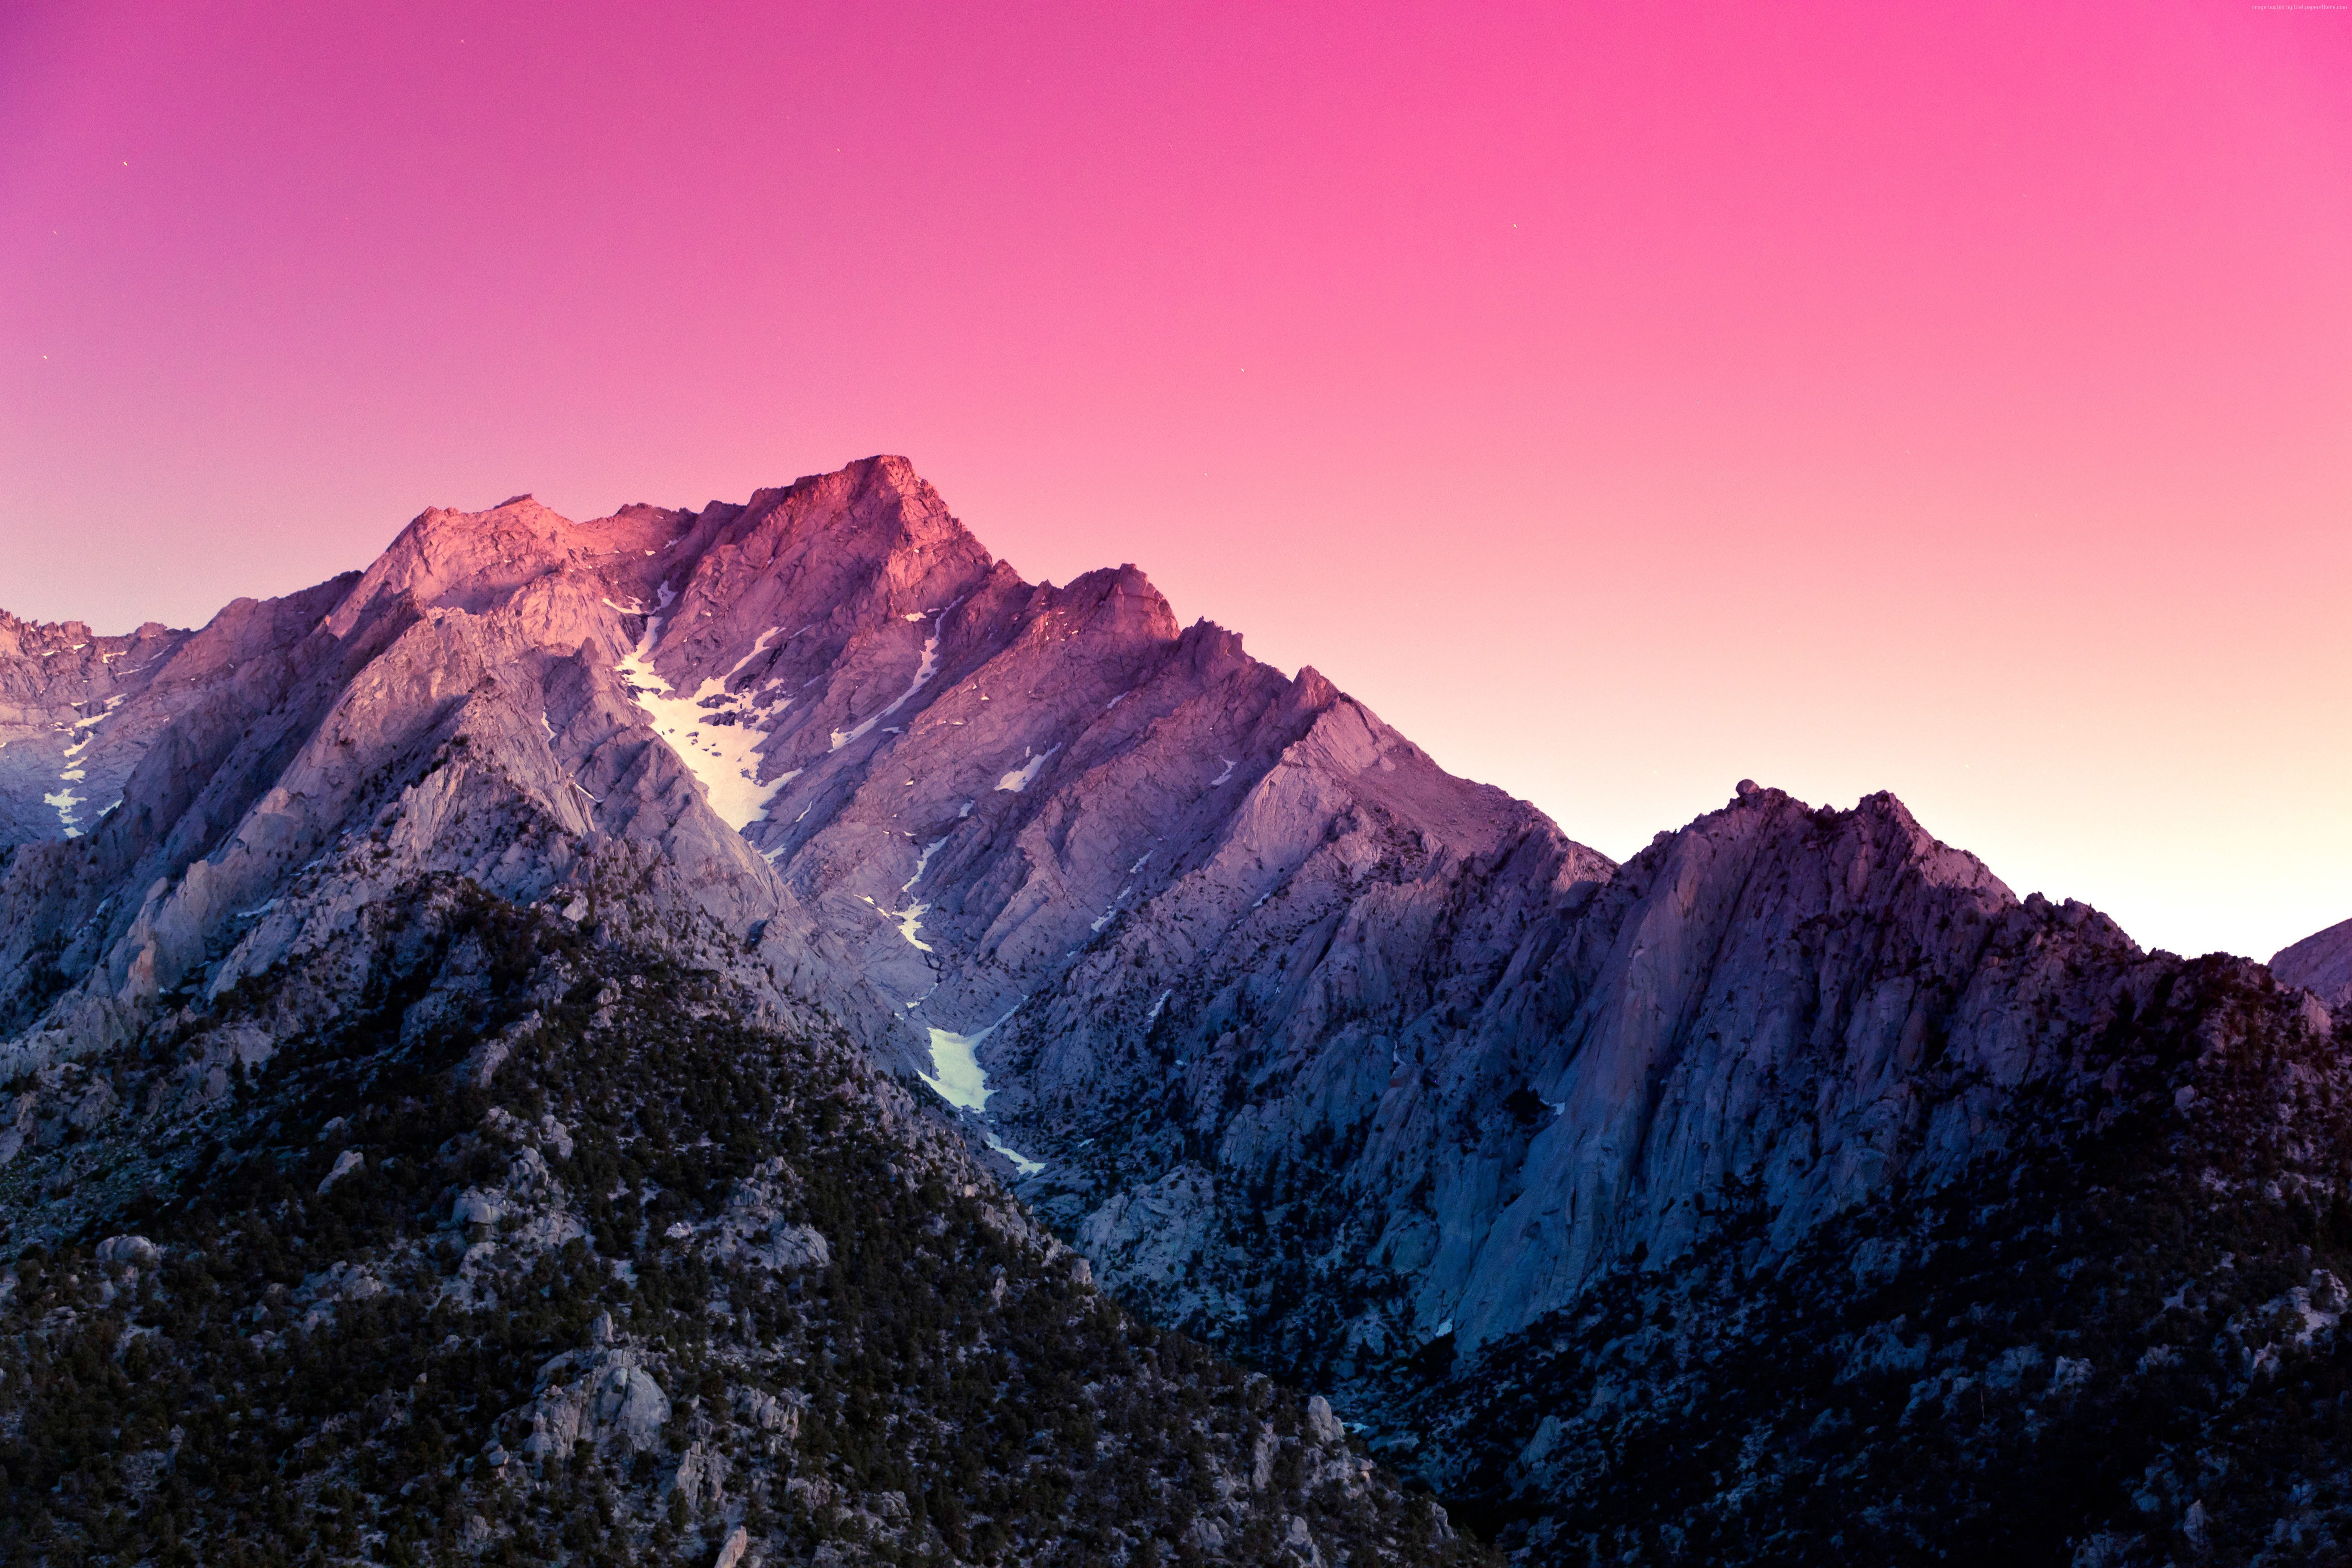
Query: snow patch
x=757 y=649
x=921 y=862
x=1112 y=913
x=65 y=801
x=1021 y=777
x=960 y=1079
x=923 y=673
x=724 y=757
x=1222 y=776
x=112 y=704
x=1021 y=1162
x=909 y=921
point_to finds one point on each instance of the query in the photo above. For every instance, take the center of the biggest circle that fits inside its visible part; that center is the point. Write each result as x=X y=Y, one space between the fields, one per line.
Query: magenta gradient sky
x=1621 y=400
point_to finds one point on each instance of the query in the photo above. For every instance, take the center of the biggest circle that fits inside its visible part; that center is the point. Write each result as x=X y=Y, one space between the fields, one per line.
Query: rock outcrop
x=598 y=1396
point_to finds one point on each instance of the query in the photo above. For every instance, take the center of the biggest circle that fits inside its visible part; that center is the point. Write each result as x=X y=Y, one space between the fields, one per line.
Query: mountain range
x=799 y=1044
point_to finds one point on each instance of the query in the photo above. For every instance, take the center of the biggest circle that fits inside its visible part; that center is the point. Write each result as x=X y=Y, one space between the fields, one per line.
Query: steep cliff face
x=1032 y=841
x=1432 y=1113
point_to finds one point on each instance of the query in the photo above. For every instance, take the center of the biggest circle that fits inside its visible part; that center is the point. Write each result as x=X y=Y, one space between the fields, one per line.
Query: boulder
x=347 y=1161
x=473 y=1206
x=136 y=1250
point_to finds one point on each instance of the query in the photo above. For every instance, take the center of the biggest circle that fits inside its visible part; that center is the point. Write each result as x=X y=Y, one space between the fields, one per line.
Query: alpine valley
x=758 y=1035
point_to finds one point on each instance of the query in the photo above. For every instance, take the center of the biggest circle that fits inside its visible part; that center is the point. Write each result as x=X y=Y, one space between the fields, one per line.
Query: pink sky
x=1621 y=400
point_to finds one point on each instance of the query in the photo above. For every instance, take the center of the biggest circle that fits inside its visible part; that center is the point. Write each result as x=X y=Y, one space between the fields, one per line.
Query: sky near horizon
x=1621 y=400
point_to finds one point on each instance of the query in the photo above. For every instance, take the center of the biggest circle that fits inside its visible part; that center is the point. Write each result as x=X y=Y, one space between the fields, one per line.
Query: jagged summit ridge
x=792 y=651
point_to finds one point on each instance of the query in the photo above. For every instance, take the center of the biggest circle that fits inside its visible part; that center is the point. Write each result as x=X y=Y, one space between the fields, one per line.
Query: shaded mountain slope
x=2118 y=1342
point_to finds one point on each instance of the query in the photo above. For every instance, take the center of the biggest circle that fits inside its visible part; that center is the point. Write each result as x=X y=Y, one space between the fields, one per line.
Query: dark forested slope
x=540 y=1251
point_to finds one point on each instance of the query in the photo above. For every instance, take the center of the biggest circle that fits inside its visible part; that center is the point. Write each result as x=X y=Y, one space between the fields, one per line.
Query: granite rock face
x=1418 y=1106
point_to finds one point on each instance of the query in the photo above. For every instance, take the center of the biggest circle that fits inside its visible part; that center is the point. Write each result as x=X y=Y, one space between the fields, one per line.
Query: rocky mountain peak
x=1876 y=843
x=34 y=637
x=448 y=559
x=47 y=641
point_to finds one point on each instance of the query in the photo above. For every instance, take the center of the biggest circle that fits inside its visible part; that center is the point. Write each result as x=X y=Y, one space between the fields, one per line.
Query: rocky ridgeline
x=1362 y=1071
